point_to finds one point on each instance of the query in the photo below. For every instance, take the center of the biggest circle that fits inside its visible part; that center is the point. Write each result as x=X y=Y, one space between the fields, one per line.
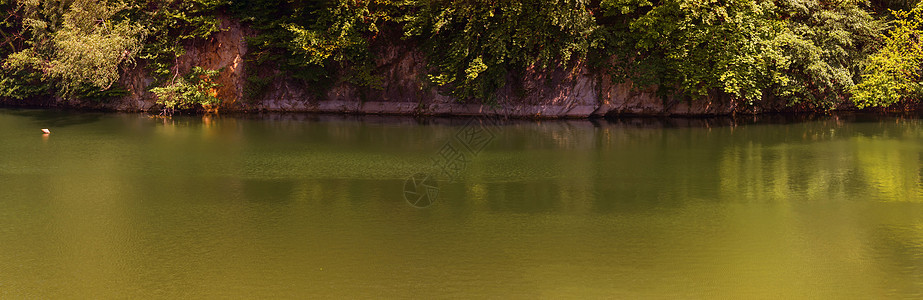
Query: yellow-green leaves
x=83 y=46
x=805 y=52
x=801 y=51
x=706 y=46
x=341 y=34
x=474 y=68
x=893 y=73
x=196 y=89
x=90 y=47
x=171 y=26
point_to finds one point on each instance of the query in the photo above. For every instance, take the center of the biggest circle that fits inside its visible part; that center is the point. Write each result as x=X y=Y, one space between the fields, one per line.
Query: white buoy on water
x=46 y=131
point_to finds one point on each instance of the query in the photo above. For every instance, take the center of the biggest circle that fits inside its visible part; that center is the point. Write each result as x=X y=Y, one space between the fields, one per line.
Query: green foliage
x=893 y=73
x=272 y=47
x=823 y=49
x=10 y=25
x=194 y=90
x=172 y=24
x=93 y=93
x=317 y=42
x=256 y=87
x=16 y=83
x=21 y=84
x=91 y=46
x=472 y=46
x=73 y=45
x=341 y=33
x=682 y=35
x=804 y=51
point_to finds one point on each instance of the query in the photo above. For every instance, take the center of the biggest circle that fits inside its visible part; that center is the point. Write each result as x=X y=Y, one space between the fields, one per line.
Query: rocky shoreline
x=574 y=91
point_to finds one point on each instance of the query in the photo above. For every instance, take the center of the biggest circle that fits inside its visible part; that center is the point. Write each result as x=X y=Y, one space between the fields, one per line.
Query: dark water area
x=321 y=206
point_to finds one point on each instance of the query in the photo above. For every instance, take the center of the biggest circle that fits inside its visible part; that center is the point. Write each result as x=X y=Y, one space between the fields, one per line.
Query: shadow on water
x=741 y=120
x=60 y=118
x=628 y=121
x=57 y=118
x=268 y=191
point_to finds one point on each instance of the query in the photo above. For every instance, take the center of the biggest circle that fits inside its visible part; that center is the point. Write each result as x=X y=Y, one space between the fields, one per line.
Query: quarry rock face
x=573 y=91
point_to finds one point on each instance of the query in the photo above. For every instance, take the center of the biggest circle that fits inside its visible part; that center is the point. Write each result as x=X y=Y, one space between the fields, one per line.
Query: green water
x=299 y=206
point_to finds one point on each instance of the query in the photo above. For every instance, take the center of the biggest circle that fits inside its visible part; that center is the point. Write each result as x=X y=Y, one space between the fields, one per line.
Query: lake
x=321 y=206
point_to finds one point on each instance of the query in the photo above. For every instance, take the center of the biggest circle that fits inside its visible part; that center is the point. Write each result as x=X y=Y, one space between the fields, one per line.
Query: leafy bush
x=893 y=73
x=83 y=46
x=473 y=45
x=803 y=51
x=194 y=90
x=823 y=50
x=172 y=24
x=273 y=46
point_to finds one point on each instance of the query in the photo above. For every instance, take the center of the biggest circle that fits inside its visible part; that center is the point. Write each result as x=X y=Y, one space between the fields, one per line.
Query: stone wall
x=566 y=92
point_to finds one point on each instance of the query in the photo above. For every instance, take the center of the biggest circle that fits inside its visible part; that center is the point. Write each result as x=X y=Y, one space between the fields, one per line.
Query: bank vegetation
x=811 y=55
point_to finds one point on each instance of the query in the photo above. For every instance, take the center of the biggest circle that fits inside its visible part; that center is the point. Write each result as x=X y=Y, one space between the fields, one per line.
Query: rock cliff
x=566 y=92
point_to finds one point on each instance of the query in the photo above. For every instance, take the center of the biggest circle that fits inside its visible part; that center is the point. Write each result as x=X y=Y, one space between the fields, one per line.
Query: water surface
x=129 y=206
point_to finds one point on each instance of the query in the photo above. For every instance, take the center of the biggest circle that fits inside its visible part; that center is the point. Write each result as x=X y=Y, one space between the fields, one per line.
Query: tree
x=803 y=51
x=79 y=45
x=473 y=45
x=893 y=73
x=341 y=33
x=822 y=50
